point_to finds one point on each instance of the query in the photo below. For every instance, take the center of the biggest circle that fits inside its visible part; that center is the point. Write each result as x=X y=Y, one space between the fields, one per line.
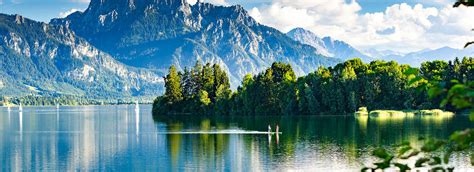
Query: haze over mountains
x=123 y=47
x=327 y=46
x=339 y=49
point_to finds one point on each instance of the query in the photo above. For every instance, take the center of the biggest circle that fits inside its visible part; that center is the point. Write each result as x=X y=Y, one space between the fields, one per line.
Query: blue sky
x=398 y=25
x=42 y=10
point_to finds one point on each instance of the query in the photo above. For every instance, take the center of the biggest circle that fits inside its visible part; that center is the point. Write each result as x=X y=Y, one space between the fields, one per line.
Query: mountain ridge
x=38 y=58
x=342 y=50
x=121 y=48
x=327 y=46
x=156 y=35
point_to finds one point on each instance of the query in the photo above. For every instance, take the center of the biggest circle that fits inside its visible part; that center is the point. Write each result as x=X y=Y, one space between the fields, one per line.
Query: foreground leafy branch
x=434 y=154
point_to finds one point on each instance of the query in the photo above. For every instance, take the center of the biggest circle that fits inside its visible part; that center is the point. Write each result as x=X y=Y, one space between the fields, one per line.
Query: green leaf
x=436 y=161
x=454 y=81
x=444 y=102
x=411 y=71
x=460 y=103
x=436 y=169
x=382 y=165
x=421 y=161
x=432 y=145
x=402 y=150
x=404 y=143
x=463 y=139
x=381 y=153
x=446 y=156
x=366 y=169
x=402 y=167
x=434 y=92
x=472 y=159
x=412 y=153
x=414 y=80
x=471 y=115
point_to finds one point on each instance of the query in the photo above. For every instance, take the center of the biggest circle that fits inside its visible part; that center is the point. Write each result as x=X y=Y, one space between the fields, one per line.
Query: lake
x=120 y=138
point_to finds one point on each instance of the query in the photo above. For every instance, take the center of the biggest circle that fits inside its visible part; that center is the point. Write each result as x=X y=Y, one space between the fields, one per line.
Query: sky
x=403 y=26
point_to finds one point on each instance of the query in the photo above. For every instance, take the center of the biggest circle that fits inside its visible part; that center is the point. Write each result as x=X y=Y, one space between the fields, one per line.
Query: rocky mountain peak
x=157 y=33
x=327 y=46
x=300 y=31
x=19 y=19
x=128 y=5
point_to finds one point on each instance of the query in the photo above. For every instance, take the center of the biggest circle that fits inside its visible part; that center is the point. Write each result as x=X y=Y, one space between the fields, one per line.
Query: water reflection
x=20 y=117
x=121 y=138
x=137 y=119
x=307 y=143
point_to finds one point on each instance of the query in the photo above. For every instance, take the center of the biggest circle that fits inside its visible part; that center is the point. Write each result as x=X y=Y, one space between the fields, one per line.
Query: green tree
x=204 y=98
x=173 y=93
x=337 y=90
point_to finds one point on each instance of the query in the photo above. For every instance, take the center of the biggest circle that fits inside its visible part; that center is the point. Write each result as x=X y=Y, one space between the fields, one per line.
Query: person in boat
x=277 y=134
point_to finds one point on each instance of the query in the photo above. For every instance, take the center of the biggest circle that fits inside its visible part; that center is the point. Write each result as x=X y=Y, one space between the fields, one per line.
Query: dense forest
x=334 y=90
x=34 y=100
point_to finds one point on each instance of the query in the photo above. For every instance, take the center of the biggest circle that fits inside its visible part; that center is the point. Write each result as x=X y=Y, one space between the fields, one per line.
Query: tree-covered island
x=205 y=89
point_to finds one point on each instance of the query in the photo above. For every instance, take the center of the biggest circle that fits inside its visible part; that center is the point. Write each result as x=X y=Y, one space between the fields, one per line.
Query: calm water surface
x=123 y=139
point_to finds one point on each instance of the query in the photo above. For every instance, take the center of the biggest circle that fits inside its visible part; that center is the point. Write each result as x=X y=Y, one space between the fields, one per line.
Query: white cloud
x=216 y=2
x=411 y=27
x=66 y=13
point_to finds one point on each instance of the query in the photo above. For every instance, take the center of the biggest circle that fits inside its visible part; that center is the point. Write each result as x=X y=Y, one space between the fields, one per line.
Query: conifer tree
x=173 y=93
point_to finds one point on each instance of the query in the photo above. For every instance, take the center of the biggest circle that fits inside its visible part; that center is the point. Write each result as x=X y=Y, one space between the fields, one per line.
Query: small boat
x=9 y=109
x=20 y=108
x=137 y=106
x=57 y=106
x=270 y=132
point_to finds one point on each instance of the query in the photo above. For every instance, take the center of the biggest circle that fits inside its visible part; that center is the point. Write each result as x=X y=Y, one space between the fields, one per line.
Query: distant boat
x=137 y=116
x=57 y=106
x=20 y=108
x=9 y=109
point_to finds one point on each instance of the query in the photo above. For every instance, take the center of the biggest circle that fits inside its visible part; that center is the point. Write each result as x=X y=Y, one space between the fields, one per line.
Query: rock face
x=38 y=58
x=327 y=46
x=155 y=34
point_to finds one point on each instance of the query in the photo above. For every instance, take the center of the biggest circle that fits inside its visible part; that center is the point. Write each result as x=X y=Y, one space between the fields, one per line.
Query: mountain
x=327 y=46
x=418 y=57
x=155 y=34
x=339 y=49
x=379 y=54
x=42 y=59
x=307 y=37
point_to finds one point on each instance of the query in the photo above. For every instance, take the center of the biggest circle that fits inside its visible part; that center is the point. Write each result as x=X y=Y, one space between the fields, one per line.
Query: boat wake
x=225 y=132
x=237 y=132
